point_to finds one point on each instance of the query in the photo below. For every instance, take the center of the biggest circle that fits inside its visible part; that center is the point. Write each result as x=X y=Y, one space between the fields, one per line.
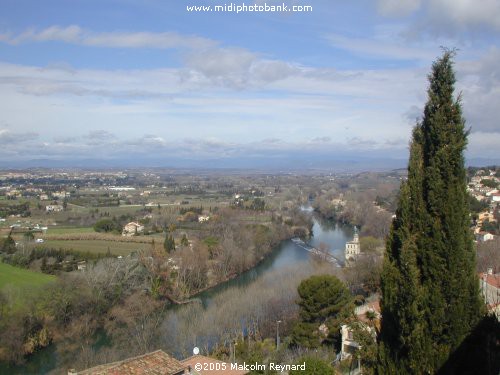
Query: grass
x=96 y=246
x=19 y=277
x=69 y=230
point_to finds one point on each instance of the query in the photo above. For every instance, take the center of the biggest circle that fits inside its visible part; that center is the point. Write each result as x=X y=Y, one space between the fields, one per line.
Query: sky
x=151 y=83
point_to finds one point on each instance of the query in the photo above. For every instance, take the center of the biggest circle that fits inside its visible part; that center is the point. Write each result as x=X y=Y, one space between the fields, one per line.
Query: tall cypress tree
x=430 y=292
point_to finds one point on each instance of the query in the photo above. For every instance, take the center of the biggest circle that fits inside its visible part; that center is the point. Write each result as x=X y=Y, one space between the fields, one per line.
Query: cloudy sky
x=150 y=81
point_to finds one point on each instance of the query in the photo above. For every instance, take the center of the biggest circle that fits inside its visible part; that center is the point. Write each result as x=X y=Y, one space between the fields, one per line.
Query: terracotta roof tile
x=154 y=363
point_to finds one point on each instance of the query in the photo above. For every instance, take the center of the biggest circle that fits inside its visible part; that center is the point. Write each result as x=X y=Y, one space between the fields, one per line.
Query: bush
x=106 y=225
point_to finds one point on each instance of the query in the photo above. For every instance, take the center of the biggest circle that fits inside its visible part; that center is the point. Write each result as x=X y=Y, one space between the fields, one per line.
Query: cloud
x=479 y=82
x=8 y=138
x=235 y=68
x=398 y=7
x=379 y=48
x=76 y=35
x=413 y=114
x=445 y=17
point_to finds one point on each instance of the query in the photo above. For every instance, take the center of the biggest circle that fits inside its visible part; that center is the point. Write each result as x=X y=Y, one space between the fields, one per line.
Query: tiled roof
x=205 y=362
x=154 y=363
x=493 y=280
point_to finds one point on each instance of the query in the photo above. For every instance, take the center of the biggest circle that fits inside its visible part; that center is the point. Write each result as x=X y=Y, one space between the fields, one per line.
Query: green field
x=69 y=230
x=22 y=278
x=96 y=246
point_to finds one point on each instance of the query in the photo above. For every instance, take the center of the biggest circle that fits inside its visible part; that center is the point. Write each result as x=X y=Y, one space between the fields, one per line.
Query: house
x=132 y=229
x=54 y=208
x=349 y=344
x=352 y=248
x=495 y=197
x=490 y=288
x=155 y=363
x=484 y=236
x=203 y=218
x=160 y=363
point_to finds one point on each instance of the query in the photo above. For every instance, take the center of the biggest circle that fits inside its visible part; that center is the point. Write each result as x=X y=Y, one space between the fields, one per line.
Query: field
x=70 y=230
x=96 y=246
x=22 y=278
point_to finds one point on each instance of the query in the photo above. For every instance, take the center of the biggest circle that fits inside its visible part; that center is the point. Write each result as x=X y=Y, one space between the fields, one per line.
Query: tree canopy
x=324 y=299
x=430 y=294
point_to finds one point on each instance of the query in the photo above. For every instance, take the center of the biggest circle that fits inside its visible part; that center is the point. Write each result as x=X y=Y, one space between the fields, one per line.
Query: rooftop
x=154 y=363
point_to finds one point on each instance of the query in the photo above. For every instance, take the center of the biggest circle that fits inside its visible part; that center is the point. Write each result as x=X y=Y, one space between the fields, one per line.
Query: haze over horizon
x=142 y=83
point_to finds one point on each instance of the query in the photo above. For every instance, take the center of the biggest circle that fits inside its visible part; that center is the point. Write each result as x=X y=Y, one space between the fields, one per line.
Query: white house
x=352 y=248
x=203 y=218
x=132 y=228
x=54 y=208
x=484 y=236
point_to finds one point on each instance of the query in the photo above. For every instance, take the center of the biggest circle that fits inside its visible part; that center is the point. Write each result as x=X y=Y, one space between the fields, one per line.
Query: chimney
x=490 y=271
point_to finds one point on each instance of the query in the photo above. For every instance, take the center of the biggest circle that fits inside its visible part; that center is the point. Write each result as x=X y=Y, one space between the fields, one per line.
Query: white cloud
x=445 y=17
x=373 y=47
x=398 y=7
x=10 y=138
x=76 y=35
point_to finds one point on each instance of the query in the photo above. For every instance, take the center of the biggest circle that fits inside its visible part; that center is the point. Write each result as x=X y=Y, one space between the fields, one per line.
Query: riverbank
x=283 y=261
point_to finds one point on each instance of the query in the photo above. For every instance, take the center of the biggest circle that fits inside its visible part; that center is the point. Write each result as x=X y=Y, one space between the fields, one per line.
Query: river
x=227 y=307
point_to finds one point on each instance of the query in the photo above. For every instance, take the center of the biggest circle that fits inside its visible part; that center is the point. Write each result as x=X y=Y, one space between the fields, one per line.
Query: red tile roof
x=493 y=280
x=154 y=363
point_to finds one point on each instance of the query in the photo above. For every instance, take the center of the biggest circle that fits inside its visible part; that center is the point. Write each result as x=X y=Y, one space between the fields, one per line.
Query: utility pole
x=278 y=334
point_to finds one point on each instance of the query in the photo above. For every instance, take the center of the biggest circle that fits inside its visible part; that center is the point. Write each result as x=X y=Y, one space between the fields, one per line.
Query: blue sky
x=148 y=80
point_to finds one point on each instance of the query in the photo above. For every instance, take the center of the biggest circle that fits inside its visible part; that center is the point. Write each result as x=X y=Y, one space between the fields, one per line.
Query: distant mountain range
x=292 y=162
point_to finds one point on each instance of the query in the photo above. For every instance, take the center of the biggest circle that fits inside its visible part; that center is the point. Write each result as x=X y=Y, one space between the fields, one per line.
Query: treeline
x=22 y=209
x=68 y=312
x=51 y=260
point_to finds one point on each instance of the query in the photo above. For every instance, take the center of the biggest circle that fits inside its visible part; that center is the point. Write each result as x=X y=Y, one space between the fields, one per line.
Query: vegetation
x=324 y=299
x=19 y=277
x=489 y=183
x=107 y=225
x=430 y=297
x=314 y=366
x=169 y=243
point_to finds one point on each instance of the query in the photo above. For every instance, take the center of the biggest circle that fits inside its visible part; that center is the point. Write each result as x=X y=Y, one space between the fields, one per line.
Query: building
x=160 y=363
x=352 y=248
x=132 y=229
x=155 y=363
x=203 y=218
x=54 y=208
x=349 y=345
x=490 y=288
x=484 y=236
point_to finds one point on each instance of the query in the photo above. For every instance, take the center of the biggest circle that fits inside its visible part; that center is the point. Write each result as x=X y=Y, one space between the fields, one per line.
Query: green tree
x=184 y=240
x=8 y=245
x=489 y=183
x=106 y=225
x=29 y=236
x=314 y=366
x=430 y=297
x=169 y=243
x=324 y=299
